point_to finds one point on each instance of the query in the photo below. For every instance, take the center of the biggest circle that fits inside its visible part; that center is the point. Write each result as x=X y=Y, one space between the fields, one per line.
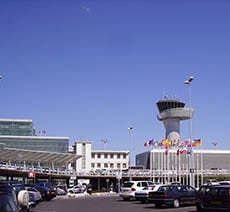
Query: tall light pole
x=104 y=141
x=191 y=158
x=130 y=136
x=129 y=130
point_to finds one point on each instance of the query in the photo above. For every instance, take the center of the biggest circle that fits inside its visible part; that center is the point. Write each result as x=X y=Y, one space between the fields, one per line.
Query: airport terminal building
x=156 y=159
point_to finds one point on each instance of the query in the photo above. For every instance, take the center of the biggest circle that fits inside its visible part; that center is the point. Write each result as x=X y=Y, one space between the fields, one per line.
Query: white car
x=35 y=192
x=144 y=193
x=77 y=189
x=129 y=188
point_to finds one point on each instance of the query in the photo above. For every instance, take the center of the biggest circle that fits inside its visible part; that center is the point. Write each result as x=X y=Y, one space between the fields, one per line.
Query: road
x=102 y=204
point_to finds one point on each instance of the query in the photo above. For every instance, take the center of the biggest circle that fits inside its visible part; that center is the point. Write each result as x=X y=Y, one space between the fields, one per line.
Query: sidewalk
x=86 y=195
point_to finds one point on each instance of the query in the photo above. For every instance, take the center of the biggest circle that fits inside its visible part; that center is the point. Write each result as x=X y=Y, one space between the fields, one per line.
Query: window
x=111 y=155
x=124 y=156
x=111 y=165
x=98 y=155
x=92 y=165
x=118 y=156
x=105 y=155
x=98 y=165
x=118 y=165
x=124 y=165
x=138 y=184
x=93 y=155
x=144 y=184
x=105 y=165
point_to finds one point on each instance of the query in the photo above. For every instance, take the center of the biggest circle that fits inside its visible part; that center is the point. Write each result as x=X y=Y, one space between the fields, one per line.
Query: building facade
x=16 y=127
x=18 y=134
x=156 y=159
x=99 y=159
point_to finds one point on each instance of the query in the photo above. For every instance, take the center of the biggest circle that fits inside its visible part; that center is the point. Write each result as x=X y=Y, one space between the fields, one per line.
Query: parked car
x=60 y=191
x=18 y=187
x=10 y=202
x=41 y=190
x=173 y=195
x=50 y=191
x=35 y=193
x=77 y=189
x=129 y=188
x=213 y=198
x=143 y=194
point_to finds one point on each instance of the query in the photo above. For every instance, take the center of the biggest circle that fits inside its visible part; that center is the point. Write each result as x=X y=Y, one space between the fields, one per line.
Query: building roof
x=211 y=151
x=34 y=137
x=19 y=155
x=15 y=120
x=109 y=151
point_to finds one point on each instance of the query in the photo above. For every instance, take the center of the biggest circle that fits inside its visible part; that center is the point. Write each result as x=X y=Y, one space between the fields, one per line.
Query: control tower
x=171 y=113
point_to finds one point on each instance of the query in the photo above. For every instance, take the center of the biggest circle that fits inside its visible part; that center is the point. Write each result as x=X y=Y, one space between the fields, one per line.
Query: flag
x=189 y=150
x=44 y=132
x=146 y=143
x=196 y=143
x=178 y=152
x=151 y=142
x=155 y=143
x=187 y=143
x=165 y=142
x=34 y=132
x=183 y=151
x=166 y=151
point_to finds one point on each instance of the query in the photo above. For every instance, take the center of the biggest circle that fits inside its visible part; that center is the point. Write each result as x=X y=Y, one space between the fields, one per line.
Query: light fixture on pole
x=191 y=158
x=104 y=141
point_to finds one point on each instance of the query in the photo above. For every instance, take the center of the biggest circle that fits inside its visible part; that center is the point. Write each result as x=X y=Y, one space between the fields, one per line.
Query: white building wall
x=84 y=149
x=112 y=163
x=86 y=161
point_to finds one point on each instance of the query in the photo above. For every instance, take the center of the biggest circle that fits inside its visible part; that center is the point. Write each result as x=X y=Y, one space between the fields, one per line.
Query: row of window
x=109 y=165
x=111 y=155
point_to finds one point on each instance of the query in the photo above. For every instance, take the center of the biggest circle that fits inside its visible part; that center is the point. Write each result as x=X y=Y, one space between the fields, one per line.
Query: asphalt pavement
x=105 y=203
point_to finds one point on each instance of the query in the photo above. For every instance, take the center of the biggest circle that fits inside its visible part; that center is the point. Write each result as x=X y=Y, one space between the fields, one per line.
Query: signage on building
x=31 y=174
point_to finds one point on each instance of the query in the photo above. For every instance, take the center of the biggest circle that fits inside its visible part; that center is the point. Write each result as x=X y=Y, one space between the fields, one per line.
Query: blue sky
x=90 y=69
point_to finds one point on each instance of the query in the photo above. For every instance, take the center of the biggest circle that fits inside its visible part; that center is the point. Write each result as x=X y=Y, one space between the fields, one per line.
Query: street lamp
x=192 y=179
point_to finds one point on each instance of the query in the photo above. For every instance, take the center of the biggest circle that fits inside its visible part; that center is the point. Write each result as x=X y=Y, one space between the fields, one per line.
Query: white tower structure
x=171 y=113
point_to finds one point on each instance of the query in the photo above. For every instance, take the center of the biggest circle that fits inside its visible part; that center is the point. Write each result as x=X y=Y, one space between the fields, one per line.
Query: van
x=129 y=188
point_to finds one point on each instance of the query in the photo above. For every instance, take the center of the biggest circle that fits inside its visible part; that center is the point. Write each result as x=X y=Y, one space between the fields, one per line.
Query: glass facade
x=16 y=127
x=48 y=144
x=19 y=134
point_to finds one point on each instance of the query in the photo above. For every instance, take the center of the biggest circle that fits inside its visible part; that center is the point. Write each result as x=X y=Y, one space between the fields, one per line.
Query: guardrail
x=114 y=173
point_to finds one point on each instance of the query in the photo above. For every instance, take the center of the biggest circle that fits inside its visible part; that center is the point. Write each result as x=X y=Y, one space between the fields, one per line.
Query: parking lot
x=102 y=204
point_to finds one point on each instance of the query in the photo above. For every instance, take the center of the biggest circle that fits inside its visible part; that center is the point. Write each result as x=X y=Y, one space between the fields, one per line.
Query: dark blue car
x=8 y=200
x=173 y=195
x=49 y=189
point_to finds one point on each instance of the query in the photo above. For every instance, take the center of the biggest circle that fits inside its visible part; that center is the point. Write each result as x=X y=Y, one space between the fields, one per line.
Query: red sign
x=31 y=174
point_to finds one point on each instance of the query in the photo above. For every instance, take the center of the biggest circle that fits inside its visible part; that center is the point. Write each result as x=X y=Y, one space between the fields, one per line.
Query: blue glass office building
x=18 y=134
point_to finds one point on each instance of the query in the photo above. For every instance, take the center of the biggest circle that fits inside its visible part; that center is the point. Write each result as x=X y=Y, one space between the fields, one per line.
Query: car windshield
x=165 y=188
x=128 y=185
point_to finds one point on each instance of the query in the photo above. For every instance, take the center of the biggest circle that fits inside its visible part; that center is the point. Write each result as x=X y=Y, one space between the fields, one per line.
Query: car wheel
x=126 y=199
x=176 y=203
